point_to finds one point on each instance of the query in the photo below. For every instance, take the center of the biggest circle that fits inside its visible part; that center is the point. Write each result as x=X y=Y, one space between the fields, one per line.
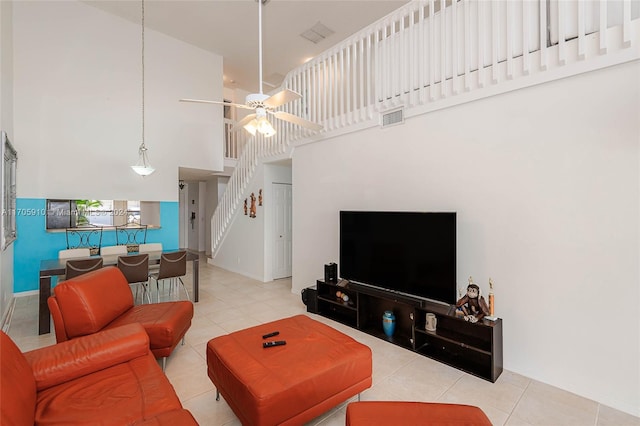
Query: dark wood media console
x=473 y=348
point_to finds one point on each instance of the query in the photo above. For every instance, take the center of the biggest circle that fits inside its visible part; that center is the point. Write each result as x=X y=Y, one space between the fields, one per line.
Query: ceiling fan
x=264 y=104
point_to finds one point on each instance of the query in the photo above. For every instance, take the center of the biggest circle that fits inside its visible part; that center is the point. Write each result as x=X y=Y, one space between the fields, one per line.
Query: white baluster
x=603 y=26
x=454 y=47
x=562 y=38
x=526 y=59
x=481 y=27
x=432 y=43
x=543 y=34
x=509 y=40
x=626 y=23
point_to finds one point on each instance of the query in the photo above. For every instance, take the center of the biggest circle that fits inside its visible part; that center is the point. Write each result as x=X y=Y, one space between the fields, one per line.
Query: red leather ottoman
x=384 y=413
x=318 y=368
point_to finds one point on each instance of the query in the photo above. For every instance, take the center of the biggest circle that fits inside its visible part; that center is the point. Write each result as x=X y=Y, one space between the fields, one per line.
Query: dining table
x=56 y=267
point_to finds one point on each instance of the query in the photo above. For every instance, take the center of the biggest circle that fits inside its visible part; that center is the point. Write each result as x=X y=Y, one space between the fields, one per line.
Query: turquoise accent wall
x=34 y=243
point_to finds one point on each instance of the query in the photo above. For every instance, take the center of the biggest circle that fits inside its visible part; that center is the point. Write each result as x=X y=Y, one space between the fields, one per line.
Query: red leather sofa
x=383 y=413
x=102 y=299
x=107 y=378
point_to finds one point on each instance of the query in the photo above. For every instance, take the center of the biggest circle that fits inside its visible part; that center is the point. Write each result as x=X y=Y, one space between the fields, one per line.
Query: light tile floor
x=230 y=302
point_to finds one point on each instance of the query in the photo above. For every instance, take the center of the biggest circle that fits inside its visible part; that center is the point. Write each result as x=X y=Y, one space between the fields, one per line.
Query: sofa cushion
x=17 y=385
x=78 y=357
x=91 y=301
x=382 y=413
x=164 y=322
x=122 y=394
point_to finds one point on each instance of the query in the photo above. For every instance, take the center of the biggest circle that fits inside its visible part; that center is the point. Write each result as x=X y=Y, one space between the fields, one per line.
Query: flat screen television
x=412 y=253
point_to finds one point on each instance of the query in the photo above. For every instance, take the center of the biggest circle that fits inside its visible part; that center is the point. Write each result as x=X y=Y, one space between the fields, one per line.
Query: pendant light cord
x=143 y=75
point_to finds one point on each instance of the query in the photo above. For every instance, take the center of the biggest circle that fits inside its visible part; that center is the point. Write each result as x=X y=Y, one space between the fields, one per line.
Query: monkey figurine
x=252 y=209
x=473 y=304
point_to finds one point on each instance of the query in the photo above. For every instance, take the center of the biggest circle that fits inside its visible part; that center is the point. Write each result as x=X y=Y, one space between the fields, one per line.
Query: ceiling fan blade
x=296 y=120
x=202 y=101
x=281 y=98
x=240 y=124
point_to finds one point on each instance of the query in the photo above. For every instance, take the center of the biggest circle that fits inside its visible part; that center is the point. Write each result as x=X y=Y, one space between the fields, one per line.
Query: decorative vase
x=388 y=323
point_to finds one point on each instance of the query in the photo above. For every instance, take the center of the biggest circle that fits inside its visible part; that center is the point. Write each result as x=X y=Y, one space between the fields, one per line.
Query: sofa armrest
x=75 y=358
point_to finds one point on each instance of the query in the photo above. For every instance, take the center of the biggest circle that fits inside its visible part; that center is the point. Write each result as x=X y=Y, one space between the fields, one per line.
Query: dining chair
x=85 y=237
x=148 y=248
x=74 y=253
x=173 y=266
x=135 y=269
x=76 y=267
x=110 y=250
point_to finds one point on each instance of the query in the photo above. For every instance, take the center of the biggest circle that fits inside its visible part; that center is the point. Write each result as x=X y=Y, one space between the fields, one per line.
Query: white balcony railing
x=433 y=54
x=234 y=142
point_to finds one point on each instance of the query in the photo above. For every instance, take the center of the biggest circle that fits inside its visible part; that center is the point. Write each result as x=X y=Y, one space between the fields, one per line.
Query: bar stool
x=76 y=267
x=173 y=266
x=135 y=269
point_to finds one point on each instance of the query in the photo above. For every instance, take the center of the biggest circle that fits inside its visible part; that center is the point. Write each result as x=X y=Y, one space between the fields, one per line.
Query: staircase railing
x=433 y=54
x=254 y=149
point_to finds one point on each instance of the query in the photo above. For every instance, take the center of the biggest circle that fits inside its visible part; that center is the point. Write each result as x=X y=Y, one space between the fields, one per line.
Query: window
x=63 y=214
x=133 y=212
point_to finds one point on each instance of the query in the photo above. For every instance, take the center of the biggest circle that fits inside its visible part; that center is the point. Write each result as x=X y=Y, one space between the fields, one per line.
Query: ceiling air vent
x=390 y=118
x=317 y=33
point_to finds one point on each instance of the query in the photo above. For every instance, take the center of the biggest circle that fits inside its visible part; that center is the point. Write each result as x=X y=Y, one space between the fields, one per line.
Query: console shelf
x=473 y=348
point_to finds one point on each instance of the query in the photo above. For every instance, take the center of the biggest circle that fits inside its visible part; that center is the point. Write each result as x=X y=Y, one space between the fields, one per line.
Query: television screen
x=410 y=252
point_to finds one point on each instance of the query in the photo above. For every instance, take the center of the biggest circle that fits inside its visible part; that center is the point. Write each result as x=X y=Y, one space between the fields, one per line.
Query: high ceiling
x=230 y=29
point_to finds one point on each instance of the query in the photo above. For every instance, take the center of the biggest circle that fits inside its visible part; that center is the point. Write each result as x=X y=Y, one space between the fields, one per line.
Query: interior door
x=282 y=230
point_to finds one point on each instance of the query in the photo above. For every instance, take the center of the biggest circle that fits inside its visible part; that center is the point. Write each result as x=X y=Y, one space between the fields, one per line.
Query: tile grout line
x=518 y=401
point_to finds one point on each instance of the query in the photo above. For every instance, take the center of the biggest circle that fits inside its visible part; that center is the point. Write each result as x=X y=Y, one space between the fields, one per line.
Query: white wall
x=242 y=250
x=78 y=104
x=546 y=184
x=6 y=124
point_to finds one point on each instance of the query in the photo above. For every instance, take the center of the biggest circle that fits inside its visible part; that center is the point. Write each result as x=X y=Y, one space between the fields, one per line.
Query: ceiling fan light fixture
x=265 y=127
x=263 y=104
x=252 y=127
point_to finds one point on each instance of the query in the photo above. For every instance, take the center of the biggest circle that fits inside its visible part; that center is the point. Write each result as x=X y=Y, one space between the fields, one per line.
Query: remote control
x=275 y=333
x=273 y=343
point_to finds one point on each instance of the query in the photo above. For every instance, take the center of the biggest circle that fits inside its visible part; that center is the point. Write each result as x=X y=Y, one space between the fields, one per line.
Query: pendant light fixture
x=143 y=167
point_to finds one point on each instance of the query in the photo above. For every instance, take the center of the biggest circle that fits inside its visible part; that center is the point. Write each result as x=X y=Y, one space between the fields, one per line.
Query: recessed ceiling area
x=229 y=28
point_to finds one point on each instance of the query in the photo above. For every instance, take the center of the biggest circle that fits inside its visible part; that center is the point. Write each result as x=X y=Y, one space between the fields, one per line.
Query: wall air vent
x=393 y=117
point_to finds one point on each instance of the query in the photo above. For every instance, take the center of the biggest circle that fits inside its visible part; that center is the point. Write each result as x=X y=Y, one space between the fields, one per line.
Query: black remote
x=273 y=343
x=275 y=333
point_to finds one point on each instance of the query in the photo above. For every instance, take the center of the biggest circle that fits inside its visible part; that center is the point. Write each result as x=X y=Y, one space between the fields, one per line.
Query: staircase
x=434 y=54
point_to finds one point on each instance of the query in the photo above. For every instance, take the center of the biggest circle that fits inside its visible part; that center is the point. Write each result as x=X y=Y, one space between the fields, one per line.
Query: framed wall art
x=8 y=171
